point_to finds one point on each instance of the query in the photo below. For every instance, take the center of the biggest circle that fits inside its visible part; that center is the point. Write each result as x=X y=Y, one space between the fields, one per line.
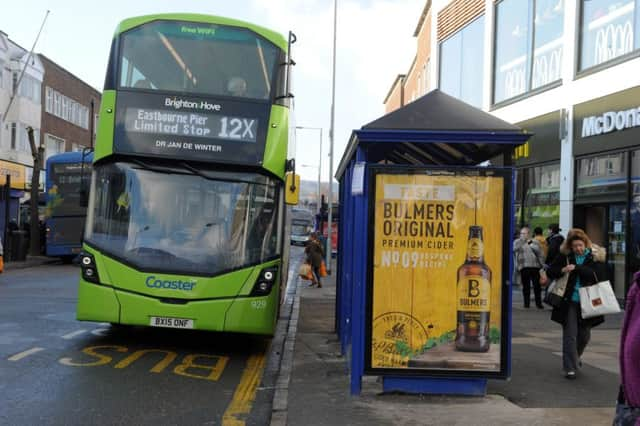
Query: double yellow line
x=245 y=393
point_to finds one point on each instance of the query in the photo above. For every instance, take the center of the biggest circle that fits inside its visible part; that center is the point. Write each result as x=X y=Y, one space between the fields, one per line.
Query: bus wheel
x=67 y=260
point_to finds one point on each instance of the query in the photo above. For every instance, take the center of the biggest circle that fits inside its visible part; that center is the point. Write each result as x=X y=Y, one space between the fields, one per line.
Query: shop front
x=607 y=185
x=10 y=206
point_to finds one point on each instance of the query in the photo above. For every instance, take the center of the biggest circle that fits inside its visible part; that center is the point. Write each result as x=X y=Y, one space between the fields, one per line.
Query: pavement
x=30 y=262
x=313 y=385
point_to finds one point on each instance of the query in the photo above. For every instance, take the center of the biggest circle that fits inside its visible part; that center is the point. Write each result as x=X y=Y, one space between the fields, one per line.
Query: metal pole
x=319 y=205
x=331 y=137
x=7 y=216
x=26 y=64
x=91 y=127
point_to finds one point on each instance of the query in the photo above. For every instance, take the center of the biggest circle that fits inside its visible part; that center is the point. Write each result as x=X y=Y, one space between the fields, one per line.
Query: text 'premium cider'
x=473 y=297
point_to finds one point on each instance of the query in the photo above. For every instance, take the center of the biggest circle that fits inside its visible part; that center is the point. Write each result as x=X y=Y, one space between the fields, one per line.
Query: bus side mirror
x=84 y=198
x=292 y=188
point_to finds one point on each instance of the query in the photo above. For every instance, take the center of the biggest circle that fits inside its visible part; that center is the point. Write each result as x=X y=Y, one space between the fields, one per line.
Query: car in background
x=302 y=222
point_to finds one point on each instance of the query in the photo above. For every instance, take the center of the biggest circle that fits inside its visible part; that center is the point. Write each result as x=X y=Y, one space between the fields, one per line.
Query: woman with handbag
x=585 y=269
x=315 y=257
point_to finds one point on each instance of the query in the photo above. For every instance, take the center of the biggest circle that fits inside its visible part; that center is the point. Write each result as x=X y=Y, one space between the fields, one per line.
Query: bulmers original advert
x=437 y=269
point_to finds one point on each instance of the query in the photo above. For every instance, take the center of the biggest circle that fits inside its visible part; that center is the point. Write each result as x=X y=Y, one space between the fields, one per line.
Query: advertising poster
x=17 y=173
x=436 y=293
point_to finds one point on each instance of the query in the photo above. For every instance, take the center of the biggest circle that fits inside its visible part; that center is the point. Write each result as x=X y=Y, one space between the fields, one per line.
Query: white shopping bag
x=598 y=299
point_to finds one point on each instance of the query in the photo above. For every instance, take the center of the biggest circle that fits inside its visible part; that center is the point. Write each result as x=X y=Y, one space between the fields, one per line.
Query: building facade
x=69 y=110
x=569 y=72
x=20 y=108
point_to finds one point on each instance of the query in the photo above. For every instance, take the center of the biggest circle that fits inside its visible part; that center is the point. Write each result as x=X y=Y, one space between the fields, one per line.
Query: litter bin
x=19 y=245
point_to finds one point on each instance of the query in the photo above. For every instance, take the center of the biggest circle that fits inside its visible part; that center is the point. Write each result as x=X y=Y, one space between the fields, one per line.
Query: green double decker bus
x=186 y=213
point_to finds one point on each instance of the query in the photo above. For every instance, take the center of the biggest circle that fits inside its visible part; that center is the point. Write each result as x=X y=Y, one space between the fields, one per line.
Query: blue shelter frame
x=435 y=130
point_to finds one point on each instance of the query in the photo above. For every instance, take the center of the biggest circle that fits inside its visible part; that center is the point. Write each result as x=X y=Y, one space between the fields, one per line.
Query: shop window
x=13 y=135
x=528 y=46
x=461 y=59
x=542 y=195
x=607 y=30
x=604 y=175
x=53 y=146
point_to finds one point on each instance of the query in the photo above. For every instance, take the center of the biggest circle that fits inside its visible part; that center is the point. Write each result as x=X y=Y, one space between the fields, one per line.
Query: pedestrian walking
x=585 y=268
x=542 y=241
x=529 y=260
x=554 y=241
x=315 y=257
x=628 y=408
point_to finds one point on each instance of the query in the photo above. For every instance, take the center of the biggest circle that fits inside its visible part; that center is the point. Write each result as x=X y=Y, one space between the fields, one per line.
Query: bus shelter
x=423 y=294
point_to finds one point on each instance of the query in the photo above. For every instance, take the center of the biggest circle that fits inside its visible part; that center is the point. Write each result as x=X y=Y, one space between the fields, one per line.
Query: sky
x=375 y=43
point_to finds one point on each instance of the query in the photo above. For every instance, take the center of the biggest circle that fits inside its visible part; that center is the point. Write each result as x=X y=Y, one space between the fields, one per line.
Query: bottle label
x=474 y=294
x=475 y=248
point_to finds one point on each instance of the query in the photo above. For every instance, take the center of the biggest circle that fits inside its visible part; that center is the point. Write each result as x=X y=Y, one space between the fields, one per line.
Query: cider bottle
x=473 y=296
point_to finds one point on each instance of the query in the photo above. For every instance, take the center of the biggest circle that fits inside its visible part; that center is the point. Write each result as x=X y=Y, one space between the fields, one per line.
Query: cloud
x=374 y=43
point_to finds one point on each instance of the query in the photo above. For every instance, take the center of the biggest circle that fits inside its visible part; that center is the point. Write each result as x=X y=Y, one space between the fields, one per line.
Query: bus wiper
x=156 y=169
x=216 y=178
x=202 y=175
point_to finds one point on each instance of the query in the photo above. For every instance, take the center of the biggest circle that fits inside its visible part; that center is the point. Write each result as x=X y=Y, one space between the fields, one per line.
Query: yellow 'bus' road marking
x=245 y=393
x=18 y=357
x=73 y=334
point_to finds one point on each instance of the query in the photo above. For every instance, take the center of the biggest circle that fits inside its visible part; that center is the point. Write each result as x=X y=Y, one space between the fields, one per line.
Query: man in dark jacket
x=554 y=241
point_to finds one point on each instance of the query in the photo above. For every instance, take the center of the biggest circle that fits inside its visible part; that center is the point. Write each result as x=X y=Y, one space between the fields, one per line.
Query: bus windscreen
x=198 y=58
x=63 y=197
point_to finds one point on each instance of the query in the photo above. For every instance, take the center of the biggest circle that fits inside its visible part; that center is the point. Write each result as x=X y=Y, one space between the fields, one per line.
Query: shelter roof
x=436 y=129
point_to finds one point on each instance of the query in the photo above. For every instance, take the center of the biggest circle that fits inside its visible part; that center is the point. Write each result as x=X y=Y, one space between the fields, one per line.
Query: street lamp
x=319 y=162
x=332 y=135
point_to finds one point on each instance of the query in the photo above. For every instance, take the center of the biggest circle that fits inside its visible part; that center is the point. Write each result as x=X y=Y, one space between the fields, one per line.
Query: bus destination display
x=191 y=124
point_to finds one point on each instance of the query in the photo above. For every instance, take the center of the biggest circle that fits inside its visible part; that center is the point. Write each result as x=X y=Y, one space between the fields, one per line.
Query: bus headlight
x=89 y=269
x=265 y=282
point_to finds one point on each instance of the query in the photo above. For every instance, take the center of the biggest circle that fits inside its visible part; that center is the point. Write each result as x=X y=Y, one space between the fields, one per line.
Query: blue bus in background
x=67 y=186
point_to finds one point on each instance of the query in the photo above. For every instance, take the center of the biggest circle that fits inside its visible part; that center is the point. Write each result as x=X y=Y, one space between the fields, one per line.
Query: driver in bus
x=143 y=84
x=237 y=86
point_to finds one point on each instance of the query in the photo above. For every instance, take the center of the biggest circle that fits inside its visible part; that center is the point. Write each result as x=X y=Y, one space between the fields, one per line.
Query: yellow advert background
x=421 y=232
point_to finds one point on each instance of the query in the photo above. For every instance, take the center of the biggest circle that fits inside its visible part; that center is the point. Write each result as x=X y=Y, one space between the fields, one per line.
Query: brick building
x=69 y=108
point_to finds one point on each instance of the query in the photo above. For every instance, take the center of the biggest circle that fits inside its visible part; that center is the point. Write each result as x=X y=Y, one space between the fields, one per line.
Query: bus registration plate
x=171 y=322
